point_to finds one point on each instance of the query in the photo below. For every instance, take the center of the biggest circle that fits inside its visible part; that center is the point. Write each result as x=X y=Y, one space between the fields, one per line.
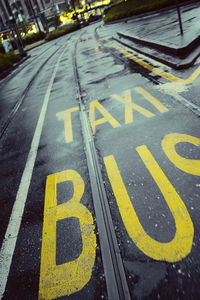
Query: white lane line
x=9 y=242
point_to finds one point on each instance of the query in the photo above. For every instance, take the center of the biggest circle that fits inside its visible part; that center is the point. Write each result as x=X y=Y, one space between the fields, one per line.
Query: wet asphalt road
x=147 y=138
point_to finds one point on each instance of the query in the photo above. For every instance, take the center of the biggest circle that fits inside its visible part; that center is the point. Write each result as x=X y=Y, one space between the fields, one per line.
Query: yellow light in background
x=98 y=3
x=33 y=29
x=65 y=19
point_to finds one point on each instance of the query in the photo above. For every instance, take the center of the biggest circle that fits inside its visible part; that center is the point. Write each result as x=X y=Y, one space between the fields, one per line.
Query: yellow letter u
x=180 y=246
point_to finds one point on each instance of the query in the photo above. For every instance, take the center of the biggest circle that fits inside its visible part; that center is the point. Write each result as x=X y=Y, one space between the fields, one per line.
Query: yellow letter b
x=70 y=277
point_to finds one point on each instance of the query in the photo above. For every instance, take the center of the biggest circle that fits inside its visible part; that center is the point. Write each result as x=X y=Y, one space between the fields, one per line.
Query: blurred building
x=28 y=10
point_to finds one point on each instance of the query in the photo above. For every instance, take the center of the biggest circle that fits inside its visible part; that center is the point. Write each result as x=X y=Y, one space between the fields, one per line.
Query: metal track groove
x=116 y=282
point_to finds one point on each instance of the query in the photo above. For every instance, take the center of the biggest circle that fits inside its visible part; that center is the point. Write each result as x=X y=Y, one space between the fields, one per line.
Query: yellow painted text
x=191 y=166
x=180 y=246
x=68 y=123
x=62 y=280
x=107 y=117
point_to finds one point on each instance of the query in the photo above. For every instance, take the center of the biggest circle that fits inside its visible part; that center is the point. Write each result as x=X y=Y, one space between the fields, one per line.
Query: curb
x=35 y=46
x=166 y=59
x=182 y=52
x=7 y=72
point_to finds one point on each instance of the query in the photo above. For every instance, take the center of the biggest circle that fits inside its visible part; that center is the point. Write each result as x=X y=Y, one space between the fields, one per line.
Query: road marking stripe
x=9 y=242
x=158 y=71
x=194 y=75
x=148 y=66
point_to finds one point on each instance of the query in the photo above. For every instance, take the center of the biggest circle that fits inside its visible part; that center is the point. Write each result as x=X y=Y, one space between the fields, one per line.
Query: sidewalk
x=157 y=35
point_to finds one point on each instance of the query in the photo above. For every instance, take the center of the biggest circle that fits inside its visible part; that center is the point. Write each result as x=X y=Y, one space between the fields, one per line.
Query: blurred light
x=67 y=17
x=33 y=29
x=64 y=19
